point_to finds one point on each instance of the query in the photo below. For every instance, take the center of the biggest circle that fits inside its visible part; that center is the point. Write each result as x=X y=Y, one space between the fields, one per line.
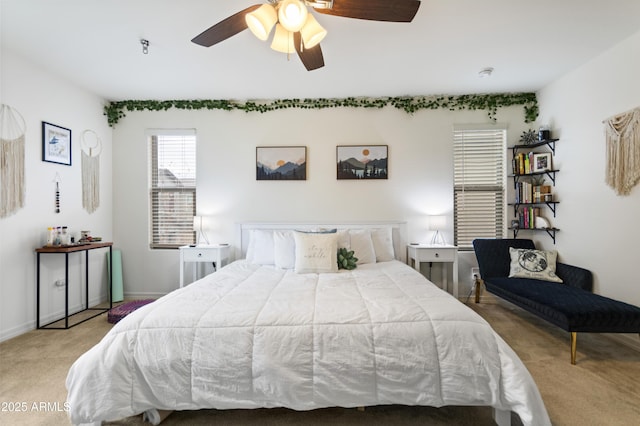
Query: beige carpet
x=602 y=389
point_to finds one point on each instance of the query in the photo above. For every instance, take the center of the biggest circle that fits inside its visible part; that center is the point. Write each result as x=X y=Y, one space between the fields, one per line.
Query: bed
x=284 y=327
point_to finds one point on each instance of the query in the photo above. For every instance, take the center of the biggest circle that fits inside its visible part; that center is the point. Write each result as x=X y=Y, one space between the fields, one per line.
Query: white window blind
x=479 y=184
x=172 y=188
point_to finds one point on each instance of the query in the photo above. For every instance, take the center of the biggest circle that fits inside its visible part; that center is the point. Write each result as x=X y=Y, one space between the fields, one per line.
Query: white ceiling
x=96 y=43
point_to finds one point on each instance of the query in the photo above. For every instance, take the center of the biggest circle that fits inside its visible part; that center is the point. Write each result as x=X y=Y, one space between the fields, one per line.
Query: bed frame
x=399 y=232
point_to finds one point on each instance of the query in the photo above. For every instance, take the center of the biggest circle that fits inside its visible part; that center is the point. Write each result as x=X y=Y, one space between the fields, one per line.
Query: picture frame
x=281 y=163
x=542 y=162
x=56 y=144
x=361 y=162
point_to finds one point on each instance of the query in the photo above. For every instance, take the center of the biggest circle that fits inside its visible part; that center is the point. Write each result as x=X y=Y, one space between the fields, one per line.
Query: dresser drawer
x=435 y=255
x=196 y=254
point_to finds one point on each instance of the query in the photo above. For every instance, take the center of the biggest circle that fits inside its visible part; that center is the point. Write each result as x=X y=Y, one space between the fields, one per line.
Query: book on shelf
x=526 y=193
x=527 y=217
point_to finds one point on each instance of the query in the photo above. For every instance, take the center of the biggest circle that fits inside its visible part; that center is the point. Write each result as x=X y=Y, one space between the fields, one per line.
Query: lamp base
x=438 y=239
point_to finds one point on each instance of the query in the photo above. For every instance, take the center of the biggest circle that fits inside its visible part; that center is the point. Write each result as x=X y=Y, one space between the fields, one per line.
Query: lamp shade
x=283 y=40
x=261 y=21
x=312 y=33
x=437 y=223
x=197 y=223
x=292 y=14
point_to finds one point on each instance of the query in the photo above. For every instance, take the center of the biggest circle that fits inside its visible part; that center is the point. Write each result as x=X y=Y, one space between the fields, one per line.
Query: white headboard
x=399 y=232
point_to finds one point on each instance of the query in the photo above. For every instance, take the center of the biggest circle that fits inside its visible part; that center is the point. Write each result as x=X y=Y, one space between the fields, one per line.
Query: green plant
x=346 y=259
x=409 y=104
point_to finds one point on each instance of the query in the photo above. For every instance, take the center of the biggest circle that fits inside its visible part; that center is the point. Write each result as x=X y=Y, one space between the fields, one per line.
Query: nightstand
x=420 y=253
x=216 y=254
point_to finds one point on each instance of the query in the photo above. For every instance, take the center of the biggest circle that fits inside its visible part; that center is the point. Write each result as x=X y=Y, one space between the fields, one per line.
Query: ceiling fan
x=296 y=30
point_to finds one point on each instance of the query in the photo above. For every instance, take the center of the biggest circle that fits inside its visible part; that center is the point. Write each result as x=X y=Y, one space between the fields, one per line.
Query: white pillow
x=343 y=239
x=383 y=244
x=536 y=264
x=285 y=249
x=261 y=247
x=316 y=253
x=362 y=245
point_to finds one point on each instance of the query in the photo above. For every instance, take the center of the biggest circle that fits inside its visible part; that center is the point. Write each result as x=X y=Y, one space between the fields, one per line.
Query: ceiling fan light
x=283 y=40
x=292 y=14
x=261 y=21
x=312 y=33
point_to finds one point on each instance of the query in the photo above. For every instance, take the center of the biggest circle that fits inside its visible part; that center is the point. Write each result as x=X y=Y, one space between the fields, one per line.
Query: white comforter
x=250 y=336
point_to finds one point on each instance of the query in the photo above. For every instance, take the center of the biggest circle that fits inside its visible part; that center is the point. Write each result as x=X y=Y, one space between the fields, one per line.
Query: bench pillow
x=536 y=264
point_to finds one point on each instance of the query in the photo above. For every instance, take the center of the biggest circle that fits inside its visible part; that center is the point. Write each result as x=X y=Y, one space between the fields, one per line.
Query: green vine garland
x=489 y=102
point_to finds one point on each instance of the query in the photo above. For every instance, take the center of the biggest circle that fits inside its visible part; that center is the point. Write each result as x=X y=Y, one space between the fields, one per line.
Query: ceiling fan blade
x=311 y=58
x=225 y=28
x=374 y=10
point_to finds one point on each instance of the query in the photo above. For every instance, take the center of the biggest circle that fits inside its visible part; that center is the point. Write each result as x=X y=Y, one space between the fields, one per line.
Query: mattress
x=252 y=336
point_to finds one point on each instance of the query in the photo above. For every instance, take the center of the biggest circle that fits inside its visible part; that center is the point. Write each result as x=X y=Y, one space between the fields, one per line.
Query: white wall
x=420 y=175
x=40 y=96
x=599 y=230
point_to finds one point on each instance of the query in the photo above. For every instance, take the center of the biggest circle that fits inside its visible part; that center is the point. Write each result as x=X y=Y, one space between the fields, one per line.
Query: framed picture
x=542 y=162
x=281 y=163
x=56 y=144
x=362 y=161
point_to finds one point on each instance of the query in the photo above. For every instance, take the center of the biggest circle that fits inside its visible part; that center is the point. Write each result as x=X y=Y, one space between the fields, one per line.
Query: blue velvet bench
x=570 y=305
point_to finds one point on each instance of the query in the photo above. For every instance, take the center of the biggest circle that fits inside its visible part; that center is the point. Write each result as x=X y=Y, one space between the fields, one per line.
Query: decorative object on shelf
x=56 y=144
x=197 y=226
x=544 y=134
x=281 y=163
x=12 y=172
x=541 y=162
x=623 y=151
x=91 y=147
x=529 y=137
x=541 y=223
x=437 y=223
x=362 y=162
x=409 y=104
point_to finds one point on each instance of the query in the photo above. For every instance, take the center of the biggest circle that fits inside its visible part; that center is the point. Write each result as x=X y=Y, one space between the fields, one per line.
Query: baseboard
x=145 y=295
x=52 y=317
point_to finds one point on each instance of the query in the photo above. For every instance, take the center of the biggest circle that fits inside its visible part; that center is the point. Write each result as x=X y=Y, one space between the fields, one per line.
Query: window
x=172 y=188
x=479 y=184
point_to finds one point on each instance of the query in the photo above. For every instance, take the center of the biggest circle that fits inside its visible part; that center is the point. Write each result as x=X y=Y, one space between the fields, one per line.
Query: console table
x=85 y=247
x=419 y=253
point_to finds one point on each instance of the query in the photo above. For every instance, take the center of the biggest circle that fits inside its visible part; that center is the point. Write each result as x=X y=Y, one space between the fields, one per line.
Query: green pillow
x=346 y=259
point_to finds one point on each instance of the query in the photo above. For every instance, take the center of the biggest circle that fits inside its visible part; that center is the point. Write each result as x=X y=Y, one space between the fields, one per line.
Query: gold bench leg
x=574 y=345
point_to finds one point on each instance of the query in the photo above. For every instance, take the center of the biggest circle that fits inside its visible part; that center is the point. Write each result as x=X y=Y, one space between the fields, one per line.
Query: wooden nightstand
x=420 y=253
x=200 y=254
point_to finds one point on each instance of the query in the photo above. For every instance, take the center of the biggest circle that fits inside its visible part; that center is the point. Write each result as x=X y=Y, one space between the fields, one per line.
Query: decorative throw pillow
x=383 y=244
x=362 y=244
x=536 y=264
x=346 y=259
x=316 y=253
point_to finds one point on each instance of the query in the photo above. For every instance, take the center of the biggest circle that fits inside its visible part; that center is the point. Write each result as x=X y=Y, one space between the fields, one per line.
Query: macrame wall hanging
x=623 y=151
x=91 y=148
x=12 y=182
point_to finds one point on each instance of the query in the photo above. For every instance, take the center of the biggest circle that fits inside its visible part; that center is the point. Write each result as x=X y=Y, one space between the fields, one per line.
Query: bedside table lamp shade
x=197 y=226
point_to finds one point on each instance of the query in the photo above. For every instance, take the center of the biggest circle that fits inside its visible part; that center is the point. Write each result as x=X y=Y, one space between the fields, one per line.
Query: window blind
x=172 y=189
x=479 y=184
